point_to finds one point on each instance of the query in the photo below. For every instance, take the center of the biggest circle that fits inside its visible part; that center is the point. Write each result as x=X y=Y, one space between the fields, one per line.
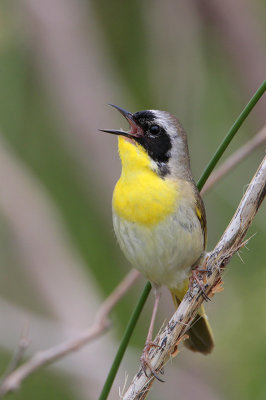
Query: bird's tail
x=200 y=334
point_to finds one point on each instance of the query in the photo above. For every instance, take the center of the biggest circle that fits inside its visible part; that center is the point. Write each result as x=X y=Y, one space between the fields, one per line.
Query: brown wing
x=201 y=214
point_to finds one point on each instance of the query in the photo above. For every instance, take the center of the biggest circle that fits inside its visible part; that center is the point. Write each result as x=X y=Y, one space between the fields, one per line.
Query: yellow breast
x=141 y=195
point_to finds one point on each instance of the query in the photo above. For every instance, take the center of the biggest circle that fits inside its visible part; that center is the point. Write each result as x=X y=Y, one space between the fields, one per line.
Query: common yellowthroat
x=158 y=214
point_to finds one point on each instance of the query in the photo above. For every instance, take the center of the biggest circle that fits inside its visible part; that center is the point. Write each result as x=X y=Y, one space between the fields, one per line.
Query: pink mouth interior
x=135 y=129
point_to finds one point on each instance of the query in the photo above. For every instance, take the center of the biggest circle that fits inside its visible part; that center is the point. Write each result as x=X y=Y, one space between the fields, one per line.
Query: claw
x=195 y=276
x=145 y=361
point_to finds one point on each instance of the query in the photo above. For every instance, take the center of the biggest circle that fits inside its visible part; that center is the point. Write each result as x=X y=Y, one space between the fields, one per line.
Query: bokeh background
x=61 y=62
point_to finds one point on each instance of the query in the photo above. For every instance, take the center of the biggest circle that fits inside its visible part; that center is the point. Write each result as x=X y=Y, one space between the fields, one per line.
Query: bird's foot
x=145 y=360
x=199 y=275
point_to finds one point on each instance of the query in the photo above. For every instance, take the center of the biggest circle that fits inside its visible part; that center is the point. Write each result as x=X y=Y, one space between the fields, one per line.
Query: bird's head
x=161 y=137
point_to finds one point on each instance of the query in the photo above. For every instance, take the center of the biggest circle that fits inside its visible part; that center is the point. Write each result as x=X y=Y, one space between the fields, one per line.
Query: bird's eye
x=154 y=129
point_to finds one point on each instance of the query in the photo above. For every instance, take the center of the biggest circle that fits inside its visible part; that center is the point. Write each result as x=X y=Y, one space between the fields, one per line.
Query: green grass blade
x=124 y=342
x=208 y=170
x=231 y=133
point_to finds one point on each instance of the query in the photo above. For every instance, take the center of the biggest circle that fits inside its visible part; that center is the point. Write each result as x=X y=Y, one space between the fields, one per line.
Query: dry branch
x=43 y=358
x=214 y=262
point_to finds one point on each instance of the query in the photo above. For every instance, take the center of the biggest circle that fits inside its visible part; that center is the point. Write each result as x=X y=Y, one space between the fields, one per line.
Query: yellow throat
x=141 y=195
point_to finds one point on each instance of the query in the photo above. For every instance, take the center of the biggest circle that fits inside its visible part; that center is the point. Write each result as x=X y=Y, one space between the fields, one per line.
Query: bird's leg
x=144 y=360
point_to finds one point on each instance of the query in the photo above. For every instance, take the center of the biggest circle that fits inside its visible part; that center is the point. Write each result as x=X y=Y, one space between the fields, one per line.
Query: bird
x=158 y=214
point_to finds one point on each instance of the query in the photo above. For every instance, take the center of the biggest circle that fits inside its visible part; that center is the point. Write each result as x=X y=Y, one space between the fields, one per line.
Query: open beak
x=134 y=131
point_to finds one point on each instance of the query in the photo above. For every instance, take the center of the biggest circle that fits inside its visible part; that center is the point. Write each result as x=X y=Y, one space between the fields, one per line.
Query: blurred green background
x=61 y=62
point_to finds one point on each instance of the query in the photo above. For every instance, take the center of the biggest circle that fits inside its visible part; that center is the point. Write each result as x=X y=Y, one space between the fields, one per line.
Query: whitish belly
x=165 y=252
